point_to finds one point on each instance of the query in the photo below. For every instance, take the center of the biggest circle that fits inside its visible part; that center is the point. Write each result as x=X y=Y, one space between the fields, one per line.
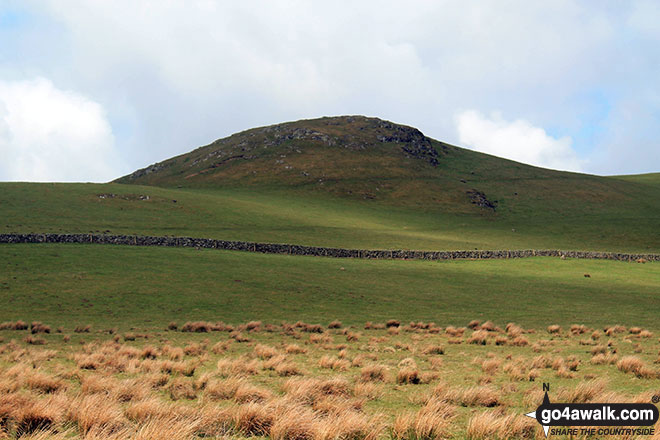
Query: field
x=116 y=286
x=378 y=380
x=121 y=342
x=274 y=215
x=169 y=343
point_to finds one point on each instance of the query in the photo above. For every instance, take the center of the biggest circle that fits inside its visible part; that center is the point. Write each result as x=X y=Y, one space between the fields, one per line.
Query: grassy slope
x=546 y=208
x=648 y=178
x=317 y=218
x=147 y=287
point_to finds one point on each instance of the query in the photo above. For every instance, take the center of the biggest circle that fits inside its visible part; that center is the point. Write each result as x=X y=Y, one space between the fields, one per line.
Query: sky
x=92 y=90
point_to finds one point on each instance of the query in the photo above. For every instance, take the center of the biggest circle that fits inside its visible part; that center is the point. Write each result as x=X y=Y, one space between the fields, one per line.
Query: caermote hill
x=350 y=182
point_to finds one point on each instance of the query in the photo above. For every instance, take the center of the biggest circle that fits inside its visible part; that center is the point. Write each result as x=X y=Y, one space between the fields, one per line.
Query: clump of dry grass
x=253 y=419
x=95 y=411
x=16 y=325
x=375 y=326
x=83 y=328
x=565 y=373
x=236 y=388
x=264 y=351
x=295 y=422
x=274 y=361
x=166 y=429
x=432 y=421
x=282 y=366
x=489 y=326
x=393 y=331
x=604 y=359
x=454 y=332
x=34 y=341
x=433 y=349
x=490 y=366
x=238 y=367
x=43 y=383
x=294 y=349
x=253 y=326
x=320 y=338
x=554 y=329
x=408 y=375
x=645 y=334
x=474 y=324
x=183 y=368
x=30 y=415
x=246 y=392
x=239 y=336
x=149 y=352
x=630 y=364
x=125 y=390
x=222 y=389
x=38 y=327
x=334 y=363
x=513 y=330
x=288 y=368
x=172 y=353
x=221 y=346
x=197 y=327
x=194 y=349
x=520 y=341
x=335 y=324
x=634 y=365
x=181 y=388
x=495 y=424
x=478 y=337
x=583 y=392
x=612 y=330
x=576 y=329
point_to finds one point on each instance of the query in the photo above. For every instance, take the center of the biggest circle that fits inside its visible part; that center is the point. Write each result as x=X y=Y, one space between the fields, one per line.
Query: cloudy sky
x=91 y=90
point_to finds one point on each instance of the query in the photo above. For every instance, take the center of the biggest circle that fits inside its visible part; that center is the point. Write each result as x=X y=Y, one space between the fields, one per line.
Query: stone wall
x=291 y=249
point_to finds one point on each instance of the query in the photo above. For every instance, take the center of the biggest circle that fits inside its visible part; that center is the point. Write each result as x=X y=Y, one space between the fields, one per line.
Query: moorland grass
x=174 y=385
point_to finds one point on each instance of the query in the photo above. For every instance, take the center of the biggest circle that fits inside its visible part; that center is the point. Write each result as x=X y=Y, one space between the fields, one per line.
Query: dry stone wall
x=291 y=249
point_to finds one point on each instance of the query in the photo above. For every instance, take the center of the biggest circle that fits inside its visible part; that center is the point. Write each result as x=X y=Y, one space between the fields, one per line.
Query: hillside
x=385 y=166
x=350 y=182
x=648 y=178
x=356 y=157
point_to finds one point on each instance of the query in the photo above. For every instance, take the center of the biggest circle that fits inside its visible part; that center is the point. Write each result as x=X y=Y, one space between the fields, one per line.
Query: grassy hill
x=648 y=178
x=350 y=182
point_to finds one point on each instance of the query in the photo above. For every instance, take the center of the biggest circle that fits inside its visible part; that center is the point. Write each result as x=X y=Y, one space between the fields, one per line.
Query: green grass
x=114 y=286
x=648 y=178
x=277 y=215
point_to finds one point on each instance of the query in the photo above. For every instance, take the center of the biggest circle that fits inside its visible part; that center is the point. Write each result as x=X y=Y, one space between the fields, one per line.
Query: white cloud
x=174 y=75
x=47 y=134
x=517 y=140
